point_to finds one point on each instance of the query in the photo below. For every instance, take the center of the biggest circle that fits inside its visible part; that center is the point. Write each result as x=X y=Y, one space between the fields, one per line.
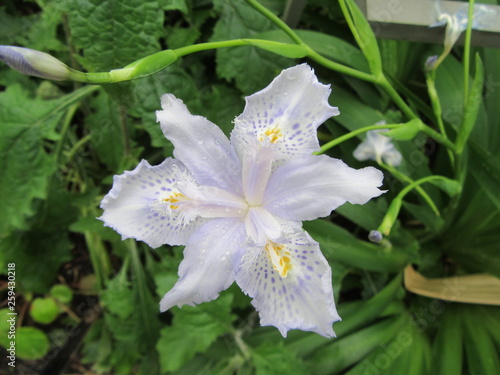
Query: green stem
x=402 y=177
x=64 y=129
x=315 y=56
x=436 y=106
x=393 y=210
x=275 y=19
x=438 y=137
x=467 y=42
x=416 y=183
x=353 y=134
x=396 y=98
x=212 y=45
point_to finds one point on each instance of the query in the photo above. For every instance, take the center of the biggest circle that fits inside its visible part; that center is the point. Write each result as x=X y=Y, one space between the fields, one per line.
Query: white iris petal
x=237 y=205
x=379 y=148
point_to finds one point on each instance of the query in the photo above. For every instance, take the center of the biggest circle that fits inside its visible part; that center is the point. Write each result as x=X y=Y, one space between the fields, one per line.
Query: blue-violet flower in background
x=238 y=205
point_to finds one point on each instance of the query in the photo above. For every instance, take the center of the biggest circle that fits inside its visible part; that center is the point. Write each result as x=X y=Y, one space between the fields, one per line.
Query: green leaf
x=344 y=352
x=148 y=92
x=363 y=34
x=193 y=330
x=447 y=348
x=485 y=167
x=26 y=124
x=38 y=256
x=175 y=5
x=62 y=293
x=43 y=33
x=471 y=110
x=252 y=68
x=4 y=325
x=105 y=130
x=275 y=359
x=31 y=343
x=449 y=186
x=26 y=165
x=44 y=310
x=113 y=34
x=406 y=132
x=340 y=245
x=355 y=315
x=406 y=353
x=482 y=357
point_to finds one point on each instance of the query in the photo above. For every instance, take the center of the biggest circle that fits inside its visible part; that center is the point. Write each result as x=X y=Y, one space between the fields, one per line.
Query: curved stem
x=275 y=19
x=353 y=134
x=402 y=177
x=396 y=98
x=315 y=56
x=393 y=211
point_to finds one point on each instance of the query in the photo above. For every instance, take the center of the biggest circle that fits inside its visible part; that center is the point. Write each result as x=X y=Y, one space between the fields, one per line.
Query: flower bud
x=34 y=63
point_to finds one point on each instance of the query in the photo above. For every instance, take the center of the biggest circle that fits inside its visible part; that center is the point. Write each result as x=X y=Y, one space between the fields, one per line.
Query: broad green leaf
x=471 y=110
x=43 y=33
x=148 y=92
x=368 y=216
x=346 y=351
x=276 y=359
x=4 y=324
x=193 y=330
x=387 y=355
x=407 y=353
x=340 y=245
x=130 y=305
x=252 y=68
x=450 y=91
x=485 y=167
x=363 y=34
x=174 y=5
x=113 y=34
x=354 y=316
x=480 y=351
x=26 y=165
x=353 y=113
x=447 y=347
x=38 y=256
x=449 y=186
x=31 y=343
x=118 y=297
x=491 y=56
x=105 y=129
x=44 y=310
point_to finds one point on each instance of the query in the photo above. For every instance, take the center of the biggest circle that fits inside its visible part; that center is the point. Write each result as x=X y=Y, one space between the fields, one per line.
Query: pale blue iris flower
x=238 y=204
x=379 y=148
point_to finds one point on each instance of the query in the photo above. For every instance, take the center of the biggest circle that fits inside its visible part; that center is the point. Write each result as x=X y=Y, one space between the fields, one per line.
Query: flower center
x=175 y=198
x=272 y=135
x=280 y=257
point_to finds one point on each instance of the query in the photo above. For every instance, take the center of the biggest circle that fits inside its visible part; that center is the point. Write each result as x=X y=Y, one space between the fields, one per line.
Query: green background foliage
x=83 y=292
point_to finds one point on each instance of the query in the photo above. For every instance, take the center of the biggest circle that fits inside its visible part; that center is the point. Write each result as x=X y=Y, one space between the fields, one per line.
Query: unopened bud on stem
x=34 y=63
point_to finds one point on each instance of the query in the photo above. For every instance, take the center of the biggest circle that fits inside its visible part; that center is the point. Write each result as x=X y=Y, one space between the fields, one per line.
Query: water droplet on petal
x=223 y=258
x=200 y=142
